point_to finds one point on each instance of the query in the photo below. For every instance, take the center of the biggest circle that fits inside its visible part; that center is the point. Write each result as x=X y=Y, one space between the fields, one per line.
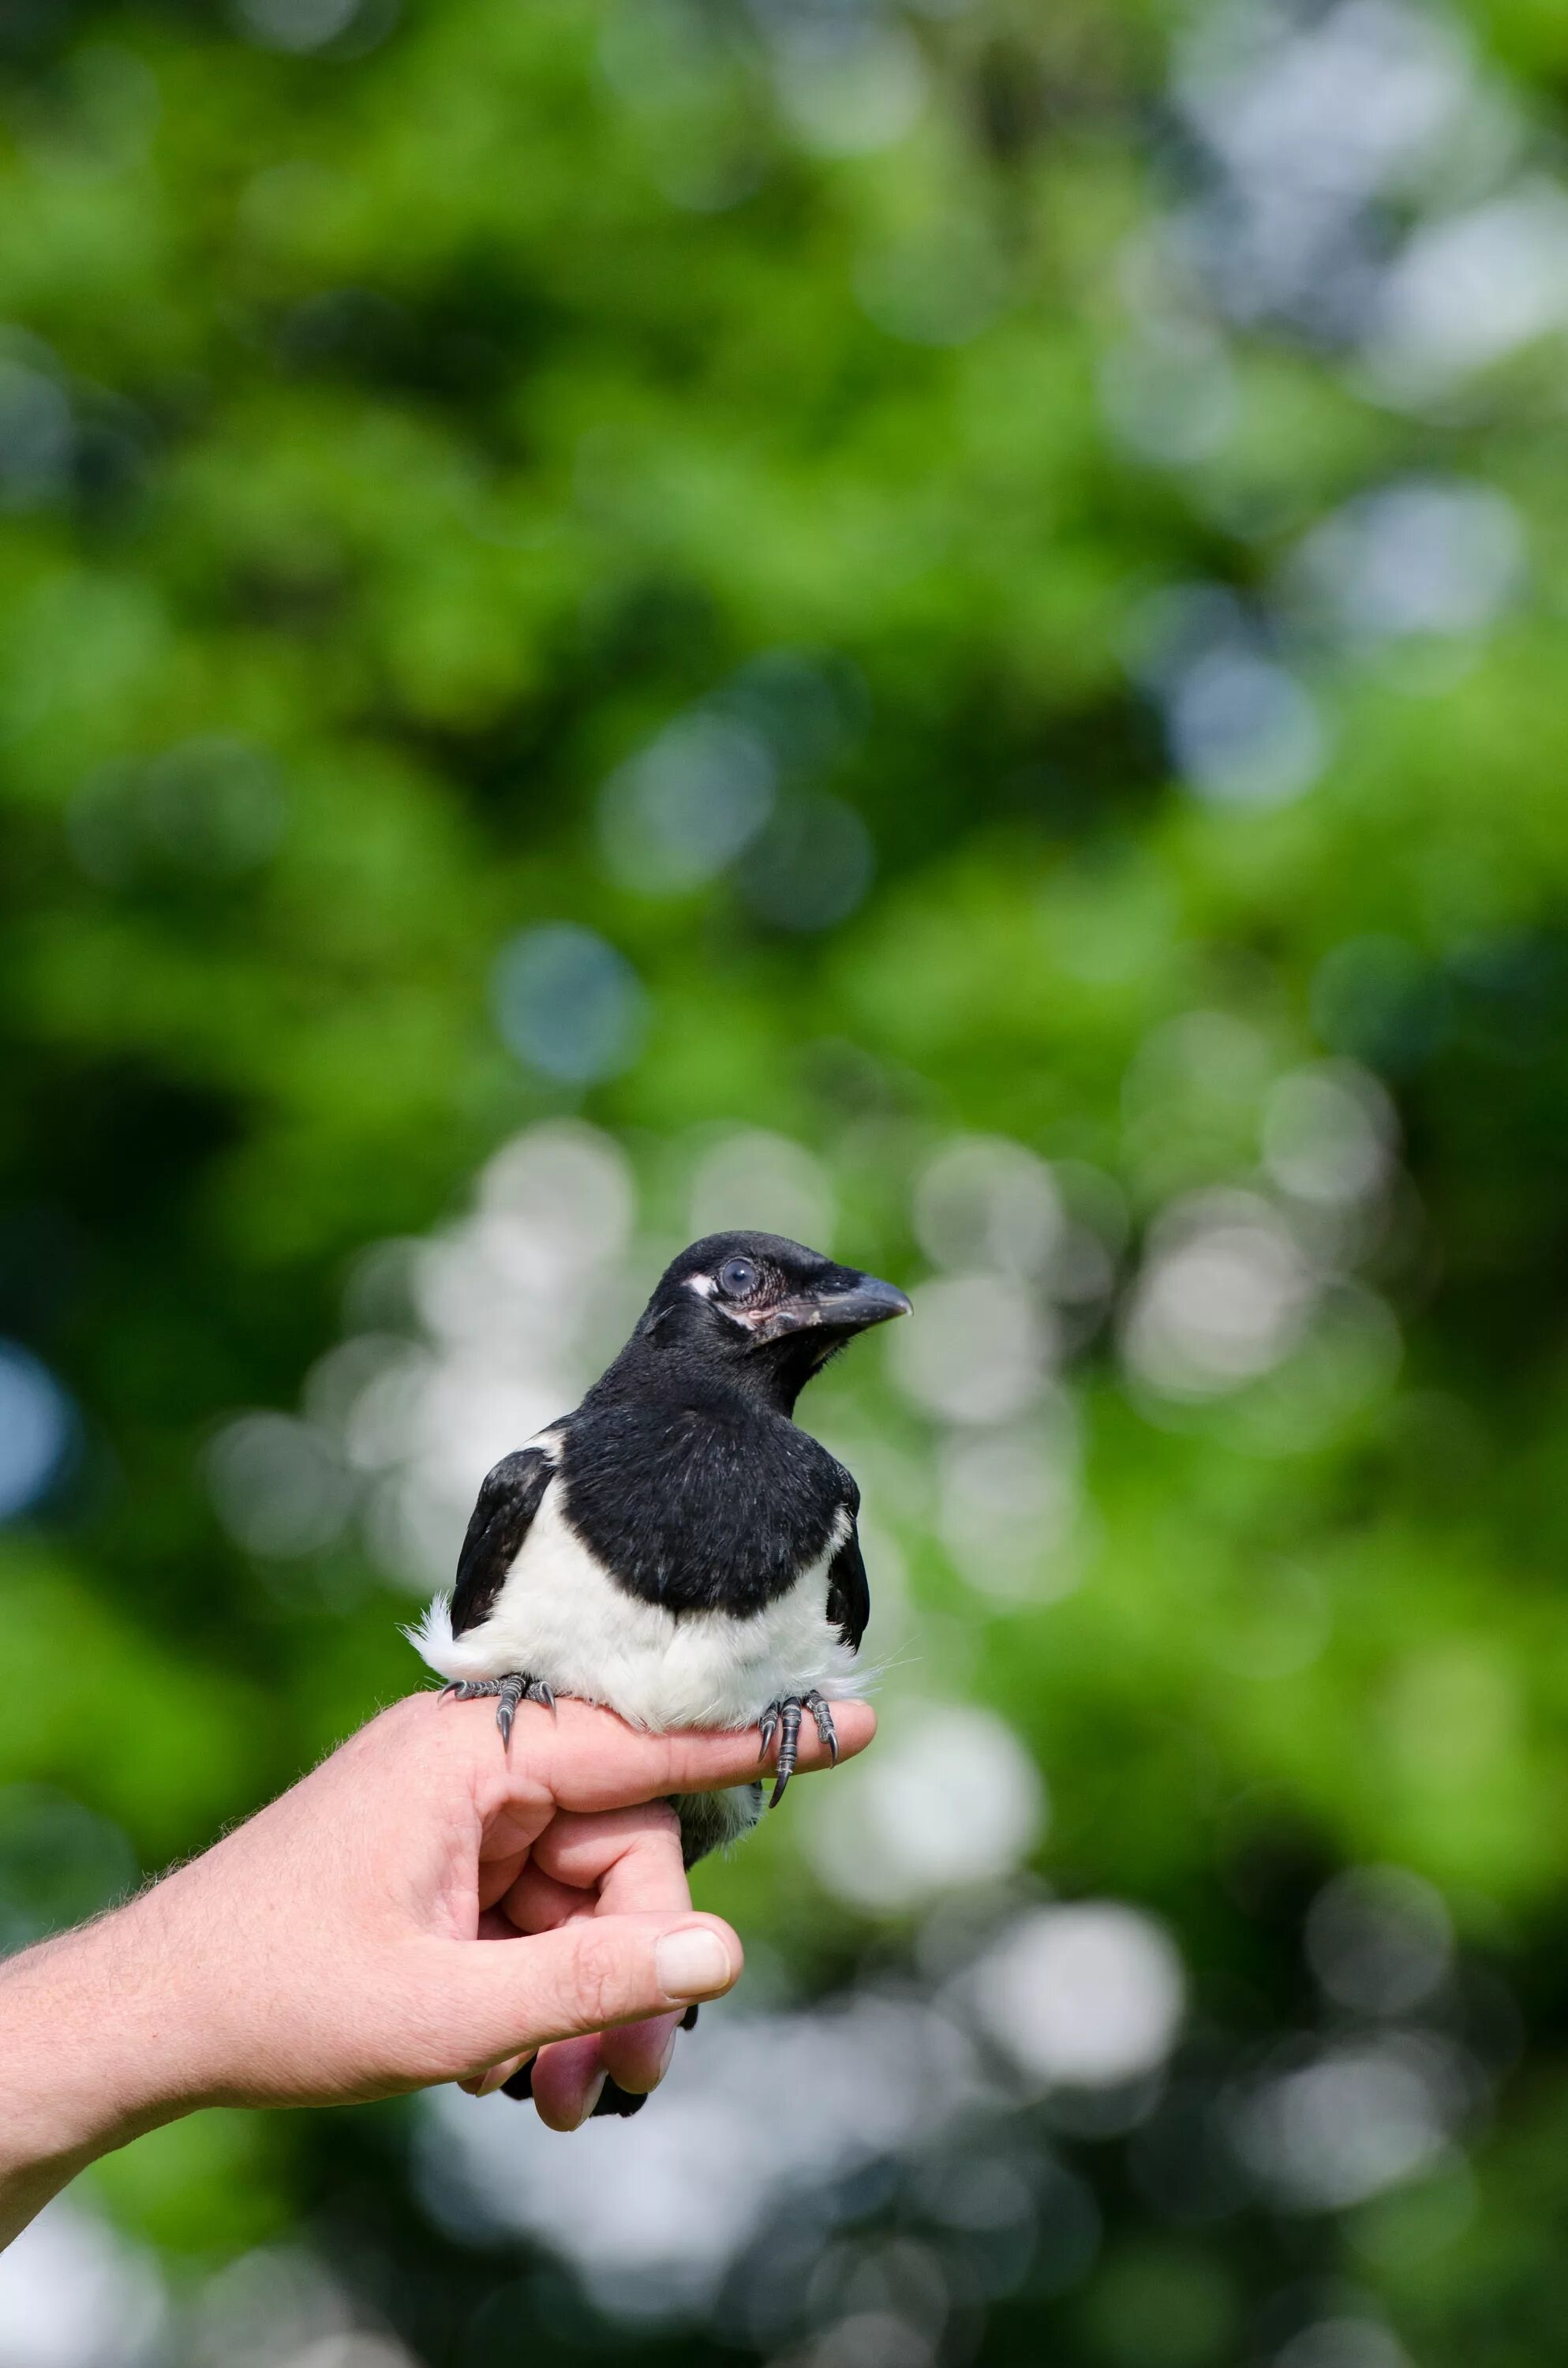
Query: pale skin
x=342 y=1944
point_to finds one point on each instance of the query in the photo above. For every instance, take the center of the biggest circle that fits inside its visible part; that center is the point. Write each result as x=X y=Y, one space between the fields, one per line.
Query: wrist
x=86 y=2062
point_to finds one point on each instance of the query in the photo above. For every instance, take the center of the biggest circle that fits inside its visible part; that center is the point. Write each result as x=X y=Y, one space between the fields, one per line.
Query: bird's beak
x=845 y=1301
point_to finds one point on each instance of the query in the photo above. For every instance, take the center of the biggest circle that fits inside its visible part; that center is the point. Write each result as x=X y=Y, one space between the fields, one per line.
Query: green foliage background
x=456 y=403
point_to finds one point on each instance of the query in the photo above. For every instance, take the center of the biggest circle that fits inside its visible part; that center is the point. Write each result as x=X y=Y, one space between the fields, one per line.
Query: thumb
x=511 y=1996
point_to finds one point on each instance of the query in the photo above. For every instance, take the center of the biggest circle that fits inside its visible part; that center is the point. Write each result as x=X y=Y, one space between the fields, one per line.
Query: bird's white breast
x=560 y=1616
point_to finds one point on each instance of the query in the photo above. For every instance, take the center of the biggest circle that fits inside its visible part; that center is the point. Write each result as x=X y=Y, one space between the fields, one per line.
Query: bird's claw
x=514 y=1688
x=782 y=1718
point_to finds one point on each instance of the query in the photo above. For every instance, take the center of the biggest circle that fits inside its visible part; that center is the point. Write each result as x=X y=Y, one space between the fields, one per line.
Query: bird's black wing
x=849 y=1590
x=508 y=1499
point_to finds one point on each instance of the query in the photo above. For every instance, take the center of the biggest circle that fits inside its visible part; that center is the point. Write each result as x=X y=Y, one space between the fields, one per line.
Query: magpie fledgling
x=677 y=1549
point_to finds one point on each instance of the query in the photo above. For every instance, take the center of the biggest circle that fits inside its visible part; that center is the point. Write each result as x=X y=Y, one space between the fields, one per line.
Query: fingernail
x=590 y=2100
x=692 y=1963
x=498 y=2075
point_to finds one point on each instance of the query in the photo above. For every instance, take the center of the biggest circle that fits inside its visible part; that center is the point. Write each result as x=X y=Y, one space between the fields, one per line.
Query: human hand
x=423 y=1907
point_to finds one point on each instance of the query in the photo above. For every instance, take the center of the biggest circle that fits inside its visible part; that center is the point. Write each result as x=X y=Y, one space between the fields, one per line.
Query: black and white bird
x=677 y=1549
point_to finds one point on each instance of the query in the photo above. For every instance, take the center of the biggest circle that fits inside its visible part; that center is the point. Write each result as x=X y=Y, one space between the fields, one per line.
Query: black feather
x=509 y=1496
x=848 y=1590
x=697 y=1499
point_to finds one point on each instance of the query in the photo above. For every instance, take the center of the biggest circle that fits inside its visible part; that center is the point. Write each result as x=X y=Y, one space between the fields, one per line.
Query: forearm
x=86 y=2056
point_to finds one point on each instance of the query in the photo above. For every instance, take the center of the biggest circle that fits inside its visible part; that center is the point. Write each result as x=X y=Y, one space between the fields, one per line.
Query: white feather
x=561 y=1617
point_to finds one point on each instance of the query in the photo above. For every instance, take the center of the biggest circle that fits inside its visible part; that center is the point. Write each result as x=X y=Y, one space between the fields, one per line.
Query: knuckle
x=658 y=1820
x=598 y=1978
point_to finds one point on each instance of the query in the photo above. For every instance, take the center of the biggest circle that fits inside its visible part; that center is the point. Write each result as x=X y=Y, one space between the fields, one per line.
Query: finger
x=535 y=1903
x=496 y=1874
x=632 y=1853
x=570 y=2074
x=499 y=1999
x=567 y=2080
x=638 y=2054
x=591 y=1760
x=484 y=2084
x=624 y=1862
x=629 y=1861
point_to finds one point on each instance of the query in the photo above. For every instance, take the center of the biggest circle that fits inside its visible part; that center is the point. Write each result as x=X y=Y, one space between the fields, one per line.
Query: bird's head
x=765 y=1312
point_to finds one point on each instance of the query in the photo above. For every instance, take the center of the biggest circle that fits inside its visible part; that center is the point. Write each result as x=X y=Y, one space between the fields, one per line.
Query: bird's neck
x=764 y=1381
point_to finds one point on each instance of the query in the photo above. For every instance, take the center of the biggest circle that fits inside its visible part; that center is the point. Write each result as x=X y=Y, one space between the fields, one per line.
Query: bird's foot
x=516 y=1687
x=782 y=1718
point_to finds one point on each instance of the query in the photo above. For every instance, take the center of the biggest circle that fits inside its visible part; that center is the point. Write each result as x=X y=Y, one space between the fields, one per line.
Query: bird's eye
x=736 y=1278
